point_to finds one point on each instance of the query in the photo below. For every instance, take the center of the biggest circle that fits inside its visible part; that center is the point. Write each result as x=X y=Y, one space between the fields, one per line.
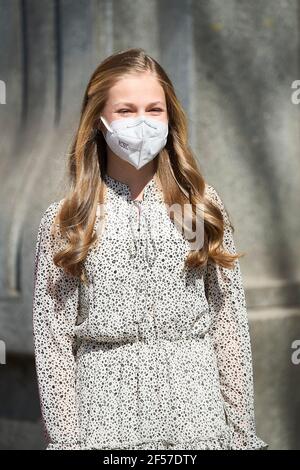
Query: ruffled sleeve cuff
x=64 y=446
x=249 y=441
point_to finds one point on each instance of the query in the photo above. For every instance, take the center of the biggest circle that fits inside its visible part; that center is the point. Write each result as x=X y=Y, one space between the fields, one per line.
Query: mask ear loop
x=105 y=122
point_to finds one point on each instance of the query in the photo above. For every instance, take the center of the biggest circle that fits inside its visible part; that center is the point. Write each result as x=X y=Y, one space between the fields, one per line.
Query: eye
x=156 y=109
x=123 y=111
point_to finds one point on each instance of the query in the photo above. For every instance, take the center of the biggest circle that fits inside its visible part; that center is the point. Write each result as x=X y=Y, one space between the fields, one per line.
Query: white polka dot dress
x=148 y=355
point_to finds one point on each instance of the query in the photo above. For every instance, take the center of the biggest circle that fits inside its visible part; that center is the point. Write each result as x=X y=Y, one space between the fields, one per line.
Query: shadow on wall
x=20 y=419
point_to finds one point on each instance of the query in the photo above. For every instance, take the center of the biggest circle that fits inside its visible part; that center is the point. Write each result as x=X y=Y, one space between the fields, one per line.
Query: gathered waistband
x=93 y=345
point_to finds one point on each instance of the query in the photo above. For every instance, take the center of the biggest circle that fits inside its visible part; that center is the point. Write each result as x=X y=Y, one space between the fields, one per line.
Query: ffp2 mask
x=136 y=140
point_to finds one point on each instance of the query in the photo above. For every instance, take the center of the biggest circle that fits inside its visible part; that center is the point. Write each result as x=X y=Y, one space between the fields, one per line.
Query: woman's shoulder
x=48 y=230
x=211 y=192
x=51 y=212
x=213 y=195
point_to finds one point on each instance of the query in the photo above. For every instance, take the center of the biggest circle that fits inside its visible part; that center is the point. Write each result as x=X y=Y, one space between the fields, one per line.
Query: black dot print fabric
x=147 y=355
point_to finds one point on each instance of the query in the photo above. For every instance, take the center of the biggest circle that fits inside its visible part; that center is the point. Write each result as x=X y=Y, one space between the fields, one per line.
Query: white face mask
x=136 y=140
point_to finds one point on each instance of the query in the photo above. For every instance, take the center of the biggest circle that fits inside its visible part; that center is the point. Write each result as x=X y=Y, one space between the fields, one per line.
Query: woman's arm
x=55 y=303
x=231 y=339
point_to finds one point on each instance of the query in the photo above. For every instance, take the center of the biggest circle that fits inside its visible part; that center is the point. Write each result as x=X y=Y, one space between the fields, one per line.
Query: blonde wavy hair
x=177 y=171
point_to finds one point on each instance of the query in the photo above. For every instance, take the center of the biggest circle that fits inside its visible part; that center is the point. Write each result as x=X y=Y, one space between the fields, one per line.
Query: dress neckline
x=121 y=188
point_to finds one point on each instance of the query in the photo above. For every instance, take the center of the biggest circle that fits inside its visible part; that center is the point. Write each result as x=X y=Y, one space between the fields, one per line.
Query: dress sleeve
x=231 y=339
x=55 y=303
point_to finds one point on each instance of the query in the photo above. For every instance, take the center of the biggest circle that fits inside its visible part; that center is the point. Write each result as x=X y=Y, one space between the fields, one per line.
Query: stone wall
x=232 y=63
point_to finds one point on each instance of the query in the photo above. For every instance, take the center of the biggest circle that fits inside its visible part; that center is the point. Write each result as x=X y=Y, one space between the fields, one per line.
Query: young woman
x=141 y=335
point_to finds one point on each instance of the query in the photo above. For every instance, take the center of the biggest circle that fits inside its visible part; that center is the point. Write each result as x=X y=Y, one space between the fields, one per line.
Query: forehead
x=136 y=89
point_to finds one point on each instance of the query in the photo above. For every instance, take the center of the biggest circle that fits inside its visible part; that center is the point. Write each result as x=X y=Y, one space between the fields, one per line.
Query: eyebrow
x=132 y=104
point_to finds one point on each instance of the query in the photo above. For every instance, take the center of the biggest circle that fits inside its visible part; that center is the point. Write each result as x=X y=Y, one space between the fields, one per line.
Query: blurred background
x=233 y=63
